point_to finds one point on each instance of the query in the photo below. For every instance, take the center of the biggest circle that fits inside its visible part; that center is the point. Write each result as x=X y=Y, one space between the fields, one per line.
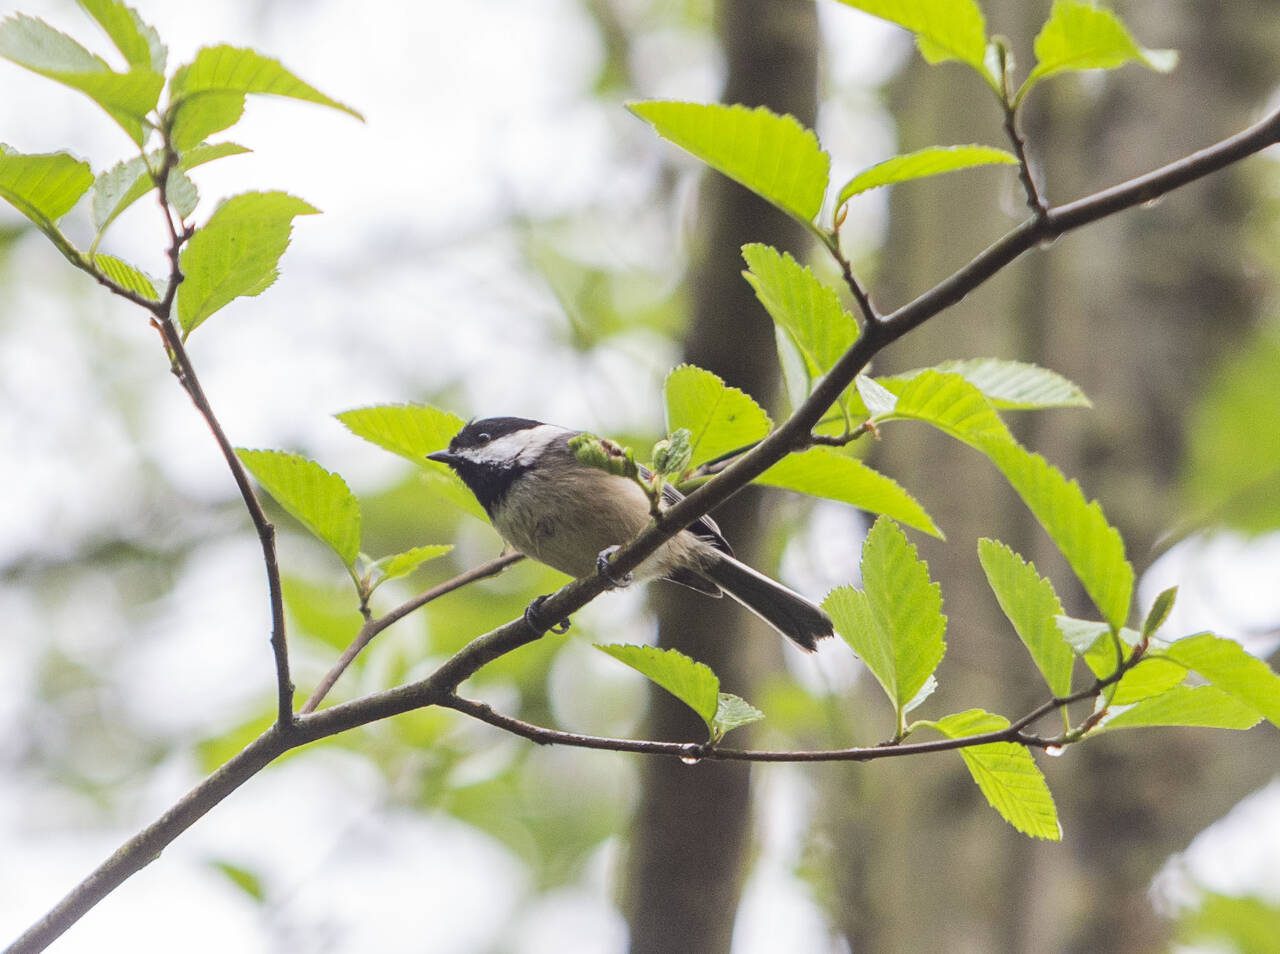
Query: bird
x=571 y=515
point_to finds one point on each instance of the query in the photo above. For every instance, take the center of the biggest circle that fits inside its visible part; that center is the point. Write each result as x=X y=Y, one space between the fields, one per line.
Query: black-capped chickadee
x=570 y=515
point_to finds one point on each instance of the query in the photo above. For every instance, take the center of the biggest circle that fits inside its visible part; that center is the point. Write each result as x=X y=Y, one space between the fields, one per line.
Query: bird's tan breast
x=571 y=523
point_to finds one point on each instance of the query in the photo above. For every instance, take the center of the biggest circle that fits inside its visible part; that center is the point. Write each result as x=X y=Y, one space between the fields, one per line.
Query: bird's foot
x=534 y=618
x=605 y=569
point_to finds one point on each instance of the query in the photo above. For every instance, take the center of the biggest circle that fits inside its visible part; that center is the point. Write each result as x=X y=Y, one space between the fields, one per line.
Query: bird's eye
x=484 y=437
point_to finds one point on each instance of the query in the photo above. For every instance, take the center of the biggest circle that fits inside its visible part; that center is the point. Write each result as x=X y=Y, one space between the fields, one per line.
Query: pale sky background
x=409 y=282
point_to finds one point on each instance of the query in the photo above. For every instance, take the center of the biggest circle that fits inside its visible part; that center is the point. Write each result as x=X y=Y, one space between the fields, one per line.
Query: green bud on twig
x=604 y=454
x=672 y=454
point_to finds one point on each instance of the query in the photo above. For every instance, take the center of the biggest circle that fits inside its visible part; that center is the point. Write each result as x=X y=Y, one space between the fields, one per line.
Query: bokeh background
x=503 y=237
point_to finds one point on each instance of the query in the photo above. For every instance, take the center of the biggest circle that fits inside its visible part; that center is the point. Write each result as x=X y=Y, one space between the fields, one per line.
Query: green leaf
x=413 y=431
x=1226 y=664
x=774 y=156
x=125 y=275
x=732 y=712
x=1081 y=36
x=1093 y=548
x=1006 y=774
x=719 y=418
x=1159 y=611
x=895 y=623
x=195 y=119
x=825 y=472
x=230 y=69
x=930 y=161
x=1007 y=385
x=1081 y=634
x=236 y=254
x=44 y=187
x=126 y=182
x=1102 y=658
x=316 y=498
x=880 y=401
x=1187 y=706
x=807 y=310
x=112 y=187
x=1032 y=605
x=127 y=97
x=1152 y=676
x=944 y=29
x=951 y=404
x=402 y=564
x=137 y=42
x=693 y=683
x=182 y=194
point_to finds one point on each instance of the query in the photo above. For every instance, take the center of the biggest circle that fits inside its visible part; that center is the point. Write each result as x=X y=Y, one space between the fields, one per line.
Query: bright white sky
x=475 y=110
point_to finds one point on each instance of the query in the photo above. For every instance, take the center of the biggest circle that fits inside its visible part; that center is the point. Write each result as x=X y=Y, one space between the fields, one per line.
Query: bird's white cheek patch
x=523 y=446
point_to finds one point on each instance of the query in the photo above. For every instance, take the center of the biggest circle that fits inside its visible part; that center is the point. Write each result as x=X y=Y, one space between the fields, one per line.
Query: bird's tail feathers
x=788 y=612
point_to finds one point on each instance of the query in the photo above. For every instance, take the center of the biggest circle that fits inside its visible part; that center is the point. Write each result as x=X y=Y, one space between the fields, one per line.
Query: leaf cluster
x=168 y=118
x=894 y=620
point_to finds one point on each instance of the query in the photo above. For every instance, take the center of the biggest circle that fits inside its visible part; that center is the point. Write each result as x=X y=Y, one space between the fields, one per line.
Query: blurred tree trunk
x=1133 y=311
x=692 y=829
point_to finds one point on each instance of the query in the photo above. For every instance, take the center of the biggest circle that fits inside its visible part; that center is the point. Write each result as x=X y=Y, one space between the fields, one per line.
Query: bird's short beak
x=443 y=457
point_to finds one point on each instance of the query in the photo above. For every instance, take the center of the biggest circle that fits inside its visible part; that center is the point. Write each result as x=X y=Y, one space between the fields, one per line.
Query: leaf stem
x=1009 y=104
x=1034 y=199
x=831 y=242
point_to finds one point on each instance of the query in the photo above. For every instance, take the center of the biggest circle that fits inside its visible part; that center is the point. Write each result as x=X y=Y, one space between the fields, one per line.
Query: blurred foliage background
x=505 y=238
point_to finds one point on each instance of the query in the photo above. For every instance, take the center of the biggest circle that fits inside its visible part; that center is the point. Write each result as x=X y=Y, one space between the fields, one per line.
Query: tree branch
x=144 y=847
x=687 y=750
x=438 y=688
x=695 y=751
x=140 y=850
x=373 y=627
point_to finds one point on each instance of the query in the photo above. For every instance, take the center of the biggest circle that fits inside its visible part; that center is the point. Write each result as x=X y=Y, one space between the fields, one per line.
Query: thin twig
x=699 y=751
x=190 y=382
x=373 y=627
x=860 y=294
x=1009 y=103
x=266 y=531
x=440 y=685
x=831 y=242
x=180 y=361
x=1035 y=201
